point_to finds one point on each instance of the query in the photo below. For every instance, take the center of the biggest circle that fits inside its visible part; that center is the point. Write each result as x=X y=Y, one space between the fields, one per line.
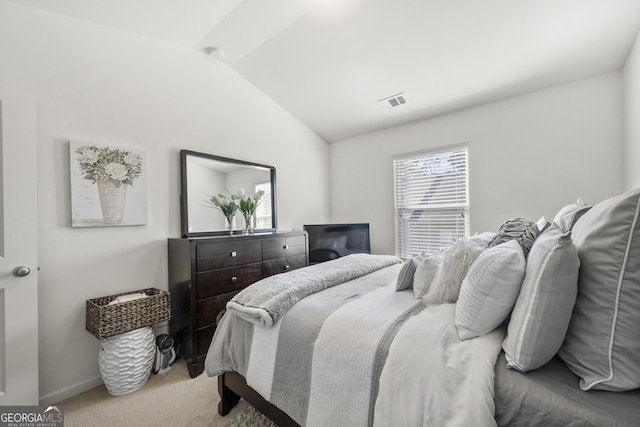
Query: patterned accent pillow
x=489 y=290
x=523 y=230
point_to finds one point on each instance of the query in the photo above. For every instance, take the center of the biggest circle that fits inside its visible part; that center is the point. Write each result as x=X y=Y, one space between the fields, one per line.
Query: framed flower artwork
x=108 y=185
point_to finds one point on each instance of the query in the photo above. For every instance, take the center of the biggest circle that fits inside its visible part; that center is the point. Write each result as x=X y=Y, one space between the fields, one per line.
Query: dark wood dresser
x=206 y=272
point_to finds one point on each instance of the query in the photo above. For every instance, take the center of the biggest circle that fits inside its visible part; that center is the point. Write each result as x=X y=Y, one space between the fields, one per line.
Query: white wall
x=631 y=79
x=528 y=156
x=105 y=86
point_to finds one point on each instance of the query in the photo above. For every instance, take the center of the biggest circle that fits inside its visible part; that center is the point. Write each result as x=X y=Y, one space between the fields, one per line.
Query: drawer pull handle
x=233 y=254
x=234 y=279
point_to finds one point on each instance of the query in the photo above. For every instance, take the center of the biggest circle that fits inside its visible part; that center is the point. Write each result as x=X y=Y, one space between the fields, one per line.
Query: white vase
x=248 y=224
x=126 y=360
x=230 y=224
x=112 y=199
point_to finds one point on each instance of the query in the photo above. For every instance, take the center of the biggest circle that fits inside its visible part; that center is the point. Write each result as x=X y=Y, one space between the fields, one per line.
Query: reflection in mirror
x=205 y=175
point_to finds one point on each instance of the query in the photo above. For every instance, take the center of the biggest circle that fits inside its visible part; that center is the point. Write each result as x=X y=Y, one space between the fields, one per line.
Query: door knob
x=21 y=271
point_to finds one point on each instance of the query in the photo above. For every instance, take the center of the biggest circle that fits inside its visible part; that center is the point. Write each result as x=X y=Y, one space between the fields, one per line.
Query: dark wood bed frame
x=232 y=387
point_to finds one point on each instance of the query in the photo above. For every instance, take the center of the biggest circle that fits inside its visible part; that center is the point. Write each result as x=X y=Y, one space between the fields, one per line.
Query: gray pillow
x=566 y=217
x=523 y=230
x=602 y=345
x=542 y=311
x=405 y=277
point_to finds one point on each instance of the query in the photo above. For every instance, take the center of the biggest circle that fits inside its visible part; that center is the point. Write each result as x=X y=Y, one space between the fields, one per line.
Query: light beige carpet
x=172 y=399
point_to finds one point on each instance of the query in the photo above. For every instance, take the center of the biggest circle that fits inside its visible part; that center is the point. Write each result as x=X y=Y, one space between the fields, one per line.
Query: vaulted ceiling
x=328 y=62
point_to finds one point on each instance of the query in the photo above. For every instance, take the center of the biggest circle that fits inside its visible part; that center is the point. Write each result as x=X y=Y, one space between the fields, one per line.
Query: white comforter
x=431 y=378
x=362 y=354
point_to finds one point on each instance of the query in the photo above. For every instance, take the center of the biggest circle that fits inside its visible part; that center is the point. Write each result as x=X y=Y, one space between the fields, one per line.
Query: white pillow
x=490 y=289
x=425 y=272
x=456 y=261
x=542 y=224
x=483 y=239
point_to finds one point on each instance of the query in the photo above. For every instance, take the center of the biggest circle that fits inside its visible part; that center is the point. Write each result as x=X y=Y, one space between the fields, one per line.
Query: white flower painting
x=108 y=186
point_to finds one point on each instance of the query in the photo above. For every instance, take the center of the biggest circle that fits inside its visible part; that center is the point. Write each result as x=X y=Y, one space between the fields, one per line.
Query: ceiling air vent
x=393 y=101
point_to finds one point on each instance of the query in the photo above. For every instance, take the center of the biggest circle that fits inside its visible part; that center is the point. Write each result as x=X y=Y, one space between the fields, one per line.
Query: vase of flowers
x=228 y=204
x=248 y=206
x=111 y=169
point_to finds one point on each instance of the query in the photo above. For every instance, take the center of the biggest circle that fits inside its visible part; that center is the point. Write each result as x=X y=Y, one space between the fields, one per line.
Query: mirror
x=205 y=175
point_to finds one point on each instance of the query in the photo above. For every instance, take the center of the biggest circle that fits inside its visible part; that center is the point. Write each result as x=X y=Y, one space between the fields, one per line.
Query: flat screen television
x=331 y=241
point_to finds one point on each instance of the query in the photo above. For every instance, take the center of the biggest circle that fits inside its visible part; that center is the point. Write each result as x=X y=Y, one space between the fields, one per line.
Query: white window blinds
x=431 y=200
x=263 y=211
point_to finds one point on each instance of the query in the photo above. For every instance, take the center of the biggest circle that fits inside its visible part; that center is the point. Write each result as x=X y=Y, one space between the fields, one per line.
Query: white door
x=18 y=248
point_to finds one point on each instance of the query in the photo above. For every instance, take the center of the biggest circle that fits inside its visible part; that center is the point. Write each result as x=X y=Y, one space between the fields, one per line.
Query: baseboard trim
x=59 y=396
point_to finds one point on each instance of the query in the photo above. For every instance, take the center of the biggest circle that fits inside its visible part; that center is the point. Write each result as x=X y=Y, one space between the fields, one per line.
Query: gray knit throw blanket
x=265 y=301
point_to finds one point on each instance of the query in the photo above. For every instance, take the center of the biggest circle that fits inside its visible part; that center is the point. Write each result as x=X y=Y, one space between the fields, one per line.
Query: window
x=263 y=211
x=431 y=200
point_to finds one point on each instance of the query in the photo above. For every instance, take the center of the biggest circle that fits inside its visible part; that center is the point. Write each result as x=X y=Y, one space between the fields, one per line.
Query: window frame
x=451 y=208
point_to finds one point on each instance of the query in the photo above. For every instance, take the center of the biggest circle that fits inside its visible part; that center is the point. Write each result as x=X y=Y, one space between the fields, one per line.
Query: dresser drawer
x=227 y=254
x=280 y=247
x=216 y=282
x=282 y=265
x=208 y=309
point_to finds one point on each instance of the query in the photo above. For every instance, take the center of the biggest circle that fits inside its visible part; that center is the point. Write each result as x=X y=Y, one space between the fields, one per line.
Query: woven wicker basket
x=104 y=320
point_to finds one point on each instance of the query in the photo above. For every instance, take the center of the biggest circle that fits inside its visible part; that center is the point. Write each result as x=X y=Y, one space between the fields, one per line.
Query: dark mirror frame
x=184 y=185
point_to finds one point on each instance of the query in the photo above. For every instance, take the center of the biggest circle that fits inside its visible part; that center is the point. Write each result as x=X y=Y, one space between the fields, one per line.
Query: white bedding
x=431 y=378
x=321 y=362
x=345 y=357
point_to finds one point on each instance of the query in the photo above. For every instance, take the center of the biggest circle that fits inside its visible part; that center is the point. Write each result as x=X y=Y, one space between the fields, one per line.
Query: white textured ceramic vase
x=112 y=200
x=126 y=360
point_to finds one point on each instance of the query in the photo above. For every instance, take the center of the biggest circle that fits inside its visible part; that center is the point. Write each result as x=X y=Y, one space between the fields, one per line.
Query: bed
x=512 y=340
